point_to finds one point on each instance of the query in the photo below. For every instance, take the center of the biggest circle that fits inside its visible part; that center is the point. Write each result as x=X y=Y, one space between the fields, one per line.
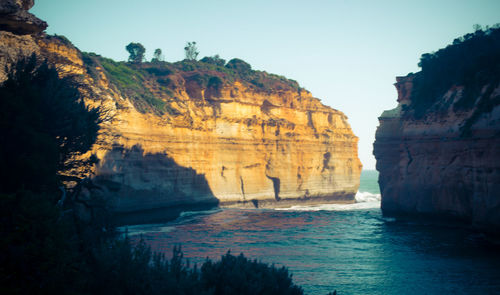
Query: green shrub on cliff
x=472 y=61
x=129 y=79
x=239 y=66
x=215 y=60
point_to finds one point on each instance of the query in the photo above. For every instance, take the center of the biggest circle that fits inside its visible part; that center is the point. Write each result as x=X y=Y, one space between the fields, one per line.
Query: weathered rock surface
x=231 y=144
x=16 y=27
x=433 y=166
x=15 y=18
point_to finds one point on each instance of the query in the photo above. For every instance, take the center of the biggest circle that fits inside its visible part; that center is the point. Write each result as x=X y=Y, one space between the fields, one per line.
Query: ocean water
x=349 y=248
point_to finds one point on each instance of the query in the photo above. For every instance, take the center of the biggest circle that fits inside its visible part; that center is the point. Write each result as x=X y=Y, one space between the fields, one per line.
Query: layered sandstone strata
x=226 y=142
x=445 y=164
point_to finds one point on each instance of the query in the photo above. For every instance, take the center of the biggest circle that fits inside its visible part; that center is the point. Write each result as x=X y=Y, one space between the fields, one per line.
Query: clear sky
x=347 y=53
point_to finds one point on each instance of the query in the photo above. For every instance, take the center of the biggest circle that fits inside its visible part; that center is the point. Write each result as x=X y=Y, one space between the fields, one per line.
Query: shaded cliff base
x=163 y=189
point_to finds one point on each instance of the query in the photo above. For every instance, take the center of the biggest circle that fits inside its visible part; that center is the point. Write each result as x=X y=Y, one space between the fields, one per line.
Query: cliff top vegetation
x=210 y=74
x=472 y=62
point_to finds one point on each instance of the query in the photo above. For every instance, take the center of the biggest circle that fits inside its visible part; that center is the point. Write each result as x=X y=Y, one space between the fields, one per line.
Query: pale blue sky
x=347 y=53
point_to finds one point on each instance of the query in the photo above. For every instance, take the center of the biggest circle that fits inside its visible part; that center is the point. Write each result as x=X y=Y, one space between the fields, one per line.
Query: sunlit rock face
x=445 y=164
x=232 y=144
x=247 y=158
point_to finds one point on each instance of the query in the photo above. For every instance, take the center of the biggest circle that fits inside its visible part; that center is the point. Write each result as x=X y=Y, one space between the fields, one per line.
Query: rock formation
x=14 y=17
x=254 y=148
x=193 y=133
x=438 y=151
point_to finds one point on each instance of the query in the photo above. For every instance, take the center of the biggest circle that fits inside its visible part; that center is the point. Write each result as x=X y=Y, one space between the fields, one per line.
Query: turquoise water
x=353 y=250
x=369 y=182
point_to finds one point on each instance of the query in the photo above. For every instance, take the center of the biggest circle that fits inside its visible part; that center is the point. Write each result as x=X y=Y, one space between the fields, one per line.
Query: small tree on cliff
x=157 y=56
x=136 y=51
x=191 y=51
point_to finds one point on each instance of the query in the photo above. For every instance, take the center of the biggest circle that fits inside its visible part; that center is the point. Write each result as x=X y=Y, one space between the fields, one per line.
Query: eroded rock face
x=12 y=48
x=16 y=28
x=15 y=18
x=441 y=164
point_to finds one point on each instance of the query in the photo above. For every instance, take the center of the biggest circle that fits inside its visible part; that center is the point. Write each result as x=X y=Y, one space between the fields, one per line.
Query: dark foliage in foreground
x=123 y=269
x=472 y=61
x=46 y=252
x=43 y=124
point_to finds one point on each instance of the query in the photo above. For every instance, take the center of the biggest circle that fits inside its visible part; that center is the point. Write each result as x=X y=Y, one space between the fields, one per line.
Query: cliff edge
x=438 y=151
x=203 y=132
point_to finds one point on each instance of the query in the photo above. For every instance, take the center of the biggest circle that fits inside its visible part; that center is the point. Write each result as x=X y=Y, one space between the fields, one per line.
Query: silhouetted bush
x=124 y=269
x=239 y=275
x=44 y=123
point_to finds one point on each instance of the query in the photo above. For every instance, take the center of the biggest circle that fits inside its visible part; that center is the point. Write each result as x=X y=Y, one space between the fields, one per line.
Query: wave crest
x=364 y=200
x=363 y=197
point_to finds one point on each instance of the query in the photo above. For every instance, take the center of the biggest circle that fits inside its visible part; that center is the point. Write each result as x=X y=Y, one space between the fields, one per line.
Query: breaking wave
x=364 y=200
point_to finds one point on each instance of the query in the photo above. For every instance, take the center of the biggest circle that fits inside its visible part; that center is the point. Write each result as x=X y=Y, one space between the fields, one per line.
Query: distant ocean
x=349 y=248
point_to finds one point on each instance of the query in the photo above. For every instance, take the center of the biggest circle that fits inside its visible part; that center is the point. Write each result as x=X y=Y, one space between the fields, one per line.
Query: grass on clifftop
x=472 y=61
x=149 y=85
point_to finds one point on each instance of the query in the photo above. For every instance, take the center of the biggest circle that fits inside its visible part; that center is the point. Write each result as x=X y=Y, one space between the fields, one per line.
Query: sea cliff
x=193 y=132
x=438 y=151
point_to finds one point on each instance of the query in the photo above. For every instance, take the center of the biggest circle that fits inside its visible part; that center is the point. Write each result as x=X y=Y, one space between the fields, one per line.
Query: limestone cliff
x=252 y=146
x=438 y=151
x=193 y=132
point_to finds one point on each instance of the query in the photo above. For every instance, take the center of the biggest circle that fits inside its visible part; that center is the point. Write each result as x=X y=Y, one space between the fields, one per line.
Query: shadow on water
x=150 y=187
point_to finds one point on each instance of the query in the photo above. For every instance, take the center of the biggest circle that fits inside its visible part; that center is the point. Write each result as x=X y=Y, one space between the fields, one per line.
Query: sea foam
x=364 y=200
